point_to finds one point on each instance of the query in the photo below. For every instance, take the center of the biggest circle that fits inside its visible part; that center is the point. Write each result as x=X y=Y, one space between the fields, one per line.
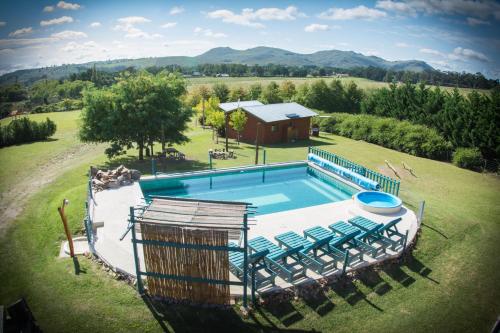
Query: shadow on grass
x=78 y=269
x=184 y=318
x=319 y=302
x=162 y=165
x=373 y=280
x=284 y=311
x=435 y=230
x=352 y=295
x=418 y=267
x=397 y=274
x=318 y=141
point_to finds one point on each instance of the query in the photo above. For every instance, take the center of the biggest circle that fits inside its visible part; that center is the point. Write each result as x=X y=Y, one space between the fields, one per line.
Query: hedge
x=399 y=135
x=24 y=130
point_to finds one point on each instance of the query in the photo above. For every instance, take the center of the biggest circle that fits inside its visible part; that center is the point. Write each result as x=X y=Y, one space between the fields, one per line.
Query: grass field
x=245 y=82
x=449 y=285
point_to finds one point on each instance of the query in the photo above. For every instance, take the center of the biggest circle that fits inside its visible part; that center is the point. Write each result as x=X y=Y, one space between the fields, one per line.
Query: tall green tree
x=138 y=110
x=221 y=91
x=255 y=91
x=287 y=90
x=271 y=93
x=238 y=120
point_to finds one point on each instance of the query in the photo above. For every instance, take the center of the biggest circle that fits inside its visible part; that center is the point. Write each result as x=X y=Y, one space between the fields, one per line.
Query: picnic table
x=221 y=154
x=172 y=153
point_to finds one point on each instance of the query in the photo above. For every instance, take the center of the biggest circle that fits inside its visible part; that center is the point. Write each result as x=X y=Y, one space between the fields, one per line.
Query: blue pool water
x=273 y=189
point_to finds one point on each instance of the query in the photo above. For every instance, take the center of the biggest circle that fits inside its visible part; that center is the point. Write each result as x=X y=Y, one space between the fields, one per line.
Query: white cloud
x=168 y=25
x=21 y=32
x=68 y=5
x=48 y=9
x=396 y=6
x=176 y=10
x=402 y=45
x=482 y=8
x=432 y=52
x=95 y=24
x=127 y=24
x=69 y=34
x=60 y=20
x=316 y=27
x=130 y=20
x=473 y=22
x=3 y=23
x=74 y=46
x=360 y=12
x=248 y=16
x=460 y=53
x=209 y=33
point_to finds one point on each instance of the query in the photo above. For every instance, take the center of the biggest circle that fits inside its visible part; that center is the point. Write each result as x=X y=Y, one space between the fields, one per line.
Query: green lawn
x=449 y=285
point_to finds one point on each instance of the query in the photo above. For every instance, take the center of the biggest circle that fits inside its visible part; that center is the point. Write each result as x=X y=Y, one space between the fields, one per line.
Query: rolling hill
x=225 y=55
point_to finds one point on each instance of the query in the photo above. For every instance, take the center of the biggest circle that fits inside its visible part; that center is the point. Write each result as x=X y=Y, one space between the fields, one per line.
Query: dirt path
x=14 y=199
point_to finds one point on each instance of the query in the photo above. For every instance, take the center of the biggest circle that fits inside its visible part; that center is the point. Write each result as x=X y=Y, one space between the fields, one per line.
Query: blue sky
x=459 y=35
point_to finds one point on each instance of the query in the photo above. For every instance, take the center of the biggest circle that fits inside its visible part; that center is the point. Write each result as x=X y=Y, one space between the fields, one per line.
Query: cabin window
x=274 y=128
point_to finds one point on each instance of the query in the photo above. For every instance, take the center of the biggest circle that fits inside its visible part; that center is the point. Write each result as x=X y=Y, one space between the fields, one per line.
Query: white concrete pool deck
x=111 y=207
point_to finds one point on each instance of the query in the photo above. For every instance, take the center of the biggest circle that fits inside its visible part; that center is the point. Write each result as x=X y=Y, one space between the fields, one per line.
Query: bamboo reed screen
x=196 y=263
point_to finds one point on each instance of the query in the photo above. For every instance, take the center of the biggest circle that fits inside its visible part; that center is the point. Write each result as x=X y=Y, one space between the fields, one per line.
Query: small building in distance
x=278 y=123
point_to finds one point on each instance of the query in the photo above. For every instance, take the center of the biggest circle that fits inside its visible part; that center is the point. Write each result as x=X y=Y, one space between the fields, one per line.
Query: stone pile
x=120 y=176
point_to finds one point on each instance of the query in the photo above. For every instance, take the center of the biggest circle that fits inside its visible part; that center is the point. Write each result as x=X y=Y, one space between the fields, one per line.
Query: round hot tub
x=378 y=202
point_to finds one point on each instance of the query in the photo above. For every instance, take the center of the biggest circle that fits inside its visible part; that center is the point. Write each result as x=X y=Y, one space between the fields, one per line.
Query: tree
x=271 y=94
x=238 y=122
x=238 y=94
x=287 y=90
x=138 y=110
x=217 y=120
x=255 y=91
x=221 y=91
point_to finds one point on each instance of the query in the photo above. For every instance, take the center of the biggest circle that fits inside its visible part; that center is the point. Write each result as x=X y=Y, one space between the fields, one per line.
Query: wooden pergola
x=186 y=247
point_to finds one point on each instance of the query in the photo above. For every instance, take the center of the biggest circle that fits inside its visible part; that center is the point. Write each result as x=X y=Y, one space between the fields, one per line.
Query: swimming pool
x=271 y=189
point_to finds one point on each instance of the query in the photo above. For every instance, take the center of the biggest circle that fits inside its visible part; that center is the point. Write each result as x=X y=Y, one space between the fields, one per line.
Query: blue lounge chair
x=288 y=264
x=339 y=243
x=264 y=276
x=390 y=230
x=310 y=252
x=363 y=240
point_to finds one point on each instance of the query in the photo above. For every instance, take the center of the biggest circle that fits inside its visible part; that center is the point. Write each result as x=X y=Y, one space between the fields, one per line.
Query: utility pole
x=257 y=145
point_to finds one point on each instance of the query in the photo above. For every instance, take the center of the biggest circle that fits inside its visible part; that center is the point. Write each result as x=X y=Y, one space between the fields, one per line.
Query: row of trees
x=138 y=110
x=434 y=77
x=331 y=97
x=23 y=130
x=470 y=120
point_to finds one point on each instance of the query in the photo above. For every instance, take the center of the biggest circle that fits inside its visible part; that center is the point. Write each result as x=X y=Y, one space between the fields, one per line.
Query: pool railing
x=387 y=184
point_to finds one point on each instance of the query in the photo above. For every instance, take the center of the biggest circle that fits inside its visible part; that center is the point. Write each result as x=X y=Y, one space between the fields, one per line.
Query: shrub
x=399 y=135
x=468 y=158
x=24 y=130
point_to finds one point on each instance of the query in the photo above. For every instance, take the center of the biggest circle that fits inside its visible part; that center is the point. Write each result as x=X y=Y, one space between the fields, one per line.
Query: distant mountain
x=225 y=55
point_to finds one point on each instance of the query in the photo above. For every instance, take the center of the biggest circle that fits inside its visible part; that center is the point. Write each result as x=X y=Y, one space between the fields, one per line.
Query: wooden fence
x=387 y=184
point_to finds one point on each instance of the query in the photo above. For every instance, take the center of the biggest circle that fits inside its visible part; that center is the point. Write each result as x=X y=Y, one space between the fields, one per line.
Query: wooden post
x=66 y=228
x=226 y=131
x=257 y=145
